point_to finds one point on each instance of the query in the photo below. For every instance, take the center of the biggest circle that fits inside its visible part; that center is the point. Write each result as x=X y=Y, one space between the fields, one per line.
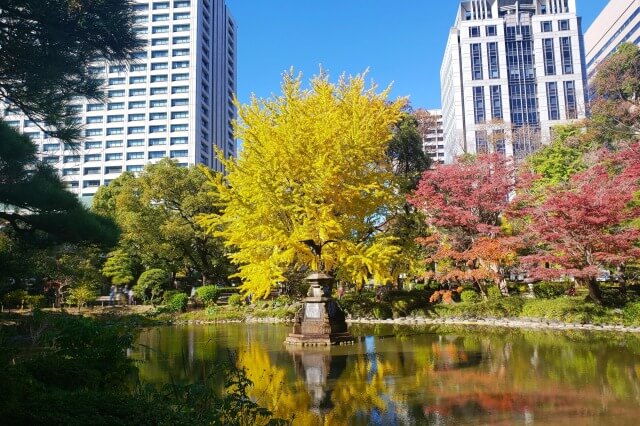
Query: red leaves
x=582 y=226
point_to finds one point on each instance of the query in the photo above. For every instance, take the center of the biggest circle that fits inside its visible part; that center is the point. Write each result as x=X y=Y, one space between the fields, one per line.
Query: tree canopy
x=313 y=168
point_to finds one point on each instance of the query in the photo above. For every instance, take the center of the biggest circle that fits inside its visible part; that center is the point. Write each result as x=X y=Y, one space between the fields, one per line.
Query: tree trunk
x=504 y=289
x=594 y=290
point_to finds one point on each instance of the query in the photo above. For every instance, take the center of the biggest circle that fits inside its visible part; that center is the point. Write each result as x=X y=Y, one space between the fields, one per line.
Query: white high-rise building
x=618 y=22
x=173 y=100
x=512 y=70
x=433 y=143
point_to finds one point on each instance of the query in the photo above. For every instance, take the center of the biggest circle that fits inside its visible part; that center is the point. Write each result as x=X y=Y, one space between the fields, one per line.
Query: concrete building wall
x=618 y=22
x=494 y=78
x=174 y=100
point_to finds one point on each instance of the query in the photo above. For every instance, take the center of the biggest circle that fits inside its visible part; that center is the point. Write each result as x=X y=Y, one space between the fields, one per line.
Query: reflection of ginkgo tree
x=271 y=387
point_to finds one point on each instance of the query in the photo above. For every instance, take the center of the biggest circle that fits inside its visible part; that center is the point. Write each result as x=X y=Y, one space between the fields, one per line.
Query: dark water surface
x=414 y=375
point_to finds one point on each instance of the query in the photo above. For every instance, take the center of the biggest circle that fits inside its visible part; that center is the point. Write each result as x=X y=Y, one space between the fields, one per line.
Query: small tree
x=81 y=295
x=463 y=204
x=582 y=226
x=150 y=282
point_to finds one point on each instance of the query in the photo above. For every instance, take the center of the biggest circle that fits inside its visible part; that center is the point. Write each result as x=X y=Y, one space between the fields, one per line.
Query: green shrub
x=35 y=301
x=382 y=311
x=178 y=302
x=235 y=300
x=568 y=309
x=631 y=313
x=493 y=292
x=208 y=294
x=400 y=307
x=549 y=290
x=80 y=296
x=168 y=295
x=470 y=296
x=151 y=283
x=283 y=300
x=15 y=298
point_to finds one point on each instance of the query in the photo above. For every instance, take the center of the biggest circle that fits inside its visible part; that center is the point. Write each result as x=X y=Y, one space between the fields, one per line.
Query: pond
x=400 y=375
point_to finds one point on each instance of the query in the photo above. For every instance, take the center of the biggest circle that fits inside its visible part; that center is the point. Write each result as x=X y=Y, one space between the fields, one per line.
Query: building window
x=111 y=170
x=116 y=80
x=552 y=101
x=179 y=102
x=570 y=99
x=90 y=183
x=474 y=31
x=115 y=105
x=159 y=66
x=567 y=57
x=159 y=78
x=115 y=93
x=160 y=29
x=138 y=67
x=135 y=142
x=92 y=145
x=180 y=89
x=494 y=64
x=179 y=154
x=181 y=15
x=135 y=168
x=116 y=68
x=496 y=102
x=157 y=154
x=137 y=79
x=181 y=27
x=491 y=30
x=136 y=117
x=549 y=57
x=139 y=55
x=137 y=92
x=159 y=41
x=180 y=52
x=113 y=156
x=69 y=172
x=157 y=103
x=135 y=130
x=182 y=140
x=478 y=105
x=114 y=144
x=179 y=77
x=93 y=132
x=157 y=129
x=179 y=114
x=181 y=3
x=92 y=157
x=563 y=25
x=135 y=156
x=160 y=17
x=157 y=141
x=546 y=26
x=158 y=116
x=158 y=90
x=179 y=127
x=180 y=64
x=161 y=5
x=476 y=61
x=92 y=120
x=115 y=118
x=482 y=145
x=159 y=54
x=137 y=104
x=71 y=159
x=181 y=40
x=115 y=131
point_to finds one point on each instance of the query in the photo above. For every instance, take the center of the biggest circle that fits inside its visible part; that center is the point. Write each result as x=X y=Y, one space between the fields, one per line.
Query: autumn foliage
x=463 y=204
x=583 y=225
x=313 y=168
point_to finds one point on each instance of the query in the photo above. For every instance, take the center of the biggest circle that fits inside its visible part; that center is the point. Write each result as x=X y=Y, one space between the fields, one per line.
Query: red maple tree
x=580 y=227
x=463 y=204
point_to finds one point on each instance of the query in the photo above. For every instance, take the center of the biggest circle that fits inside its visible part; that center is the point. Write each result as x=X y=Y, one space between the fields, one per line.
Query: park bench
x=119 y=300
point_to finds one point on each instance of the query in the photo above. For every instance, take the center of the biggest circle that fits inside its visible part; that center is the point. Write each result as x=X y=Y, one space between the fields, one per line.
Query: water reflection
x=422 y=376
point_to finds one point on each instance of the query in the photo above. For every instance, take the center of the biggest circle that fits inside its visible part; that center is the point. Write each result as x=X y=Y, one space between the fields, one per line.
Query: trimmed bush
x=168 y=295
x=80 y=296
x=235 y=300
x=549 y=290
x=15 y=298
x=493 y=292
x=150 y=282
x=178 y=302
x=470 y=296
x=631 y=313
x=208 y=294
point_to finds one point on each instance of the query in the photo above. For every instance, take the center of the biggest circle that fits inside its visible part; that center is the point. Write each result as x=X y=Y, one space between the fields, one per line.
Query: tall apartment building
x=512 y=70
x=618 y=22
x=173 y=100
x=433 y=143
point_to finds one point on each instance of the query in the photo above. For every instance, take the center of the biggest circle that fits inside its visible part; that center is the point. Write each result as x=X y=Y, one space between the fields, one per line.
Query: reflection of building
x=433 y=142
x=618 y=22
x=516 y=62
x=173 y=100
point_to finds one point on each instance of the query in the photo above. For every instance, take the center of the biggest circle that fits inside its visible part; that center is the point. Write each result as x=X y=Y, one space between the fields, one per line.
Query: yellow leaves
x=313 y=167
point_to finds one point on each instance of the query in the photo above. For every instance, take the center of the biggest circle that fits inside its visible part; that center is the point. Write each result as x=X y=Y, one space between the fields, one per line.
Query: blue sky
x=400 y=41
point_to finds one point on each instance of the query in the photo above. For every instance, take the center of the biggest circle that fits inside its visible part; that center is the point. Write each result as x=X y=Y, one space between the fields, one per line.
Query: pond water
x=397 y=375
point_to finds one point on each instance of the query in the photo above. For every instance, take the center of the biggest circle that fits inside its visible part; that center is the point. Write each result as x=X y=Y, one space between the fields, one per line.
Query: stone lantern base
x=321 y=321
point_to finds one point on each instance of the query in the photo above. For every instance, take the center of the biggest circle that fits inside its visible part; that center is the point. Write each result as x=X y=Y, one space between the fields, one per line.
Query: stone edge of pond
x=533 y=323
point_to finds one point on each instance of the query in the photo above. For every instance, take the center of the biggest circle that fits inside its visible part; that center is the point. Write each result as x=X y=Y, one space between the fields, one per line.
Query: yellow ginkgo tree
x=313 y=169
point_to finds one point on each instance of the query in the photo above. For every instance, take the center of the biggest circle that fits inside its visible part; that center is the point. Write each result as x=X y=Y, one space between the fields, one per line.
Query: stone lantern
x=321 y=321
